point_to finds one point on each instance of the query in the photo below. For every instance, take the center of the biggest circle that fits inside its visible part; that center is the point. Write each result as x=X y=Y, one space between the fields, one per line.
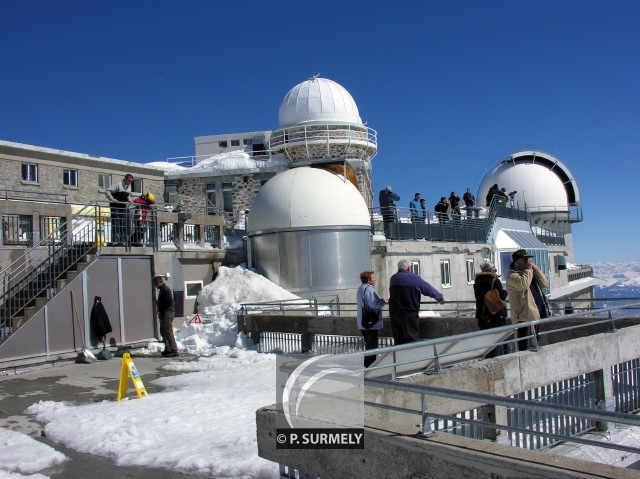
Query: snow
x=202 y=423
x=233 y=160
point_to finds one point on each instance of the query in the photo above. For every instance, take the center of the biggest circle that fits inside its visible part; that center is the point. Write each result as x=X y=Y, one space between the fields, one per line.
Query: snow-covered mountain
x=617 y=280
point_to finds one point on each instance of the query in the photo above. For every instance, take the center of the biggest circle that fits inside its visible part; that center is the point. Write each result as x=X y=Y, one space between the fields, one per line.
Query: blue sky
x=451 y=87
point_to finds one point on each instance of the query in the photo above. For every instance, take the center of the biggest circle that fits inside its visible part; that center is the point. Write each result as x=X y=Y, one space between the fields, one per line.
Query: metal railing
x=37 y=196
x=472 y=225
x=545 y=411
x=331 y=135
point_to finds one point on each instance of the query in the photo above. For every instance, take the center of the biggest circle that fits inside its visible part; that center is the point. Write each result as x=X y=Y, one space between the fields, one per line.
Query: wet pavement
x=82 y=383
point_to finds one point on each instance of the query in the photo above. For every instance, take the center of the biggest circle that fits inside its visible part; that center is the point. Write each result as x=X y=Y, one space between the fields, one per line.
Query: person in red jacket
x=142 y=206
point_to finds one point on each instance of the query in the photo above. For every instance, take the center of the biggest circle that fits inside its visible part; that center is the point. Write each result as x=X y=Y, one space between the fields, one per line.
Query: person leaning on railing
x=118 y=196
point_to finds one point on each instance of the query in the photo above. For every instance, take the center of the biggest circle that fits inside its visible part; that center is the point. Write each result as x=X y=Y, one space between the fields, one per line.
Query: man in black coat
x=386 y=199
x=166 y=313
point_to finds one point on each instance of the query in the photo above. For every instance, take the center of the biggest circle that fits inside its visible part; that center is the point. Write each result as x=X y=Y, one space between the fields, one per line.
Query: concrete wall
x=443 y=456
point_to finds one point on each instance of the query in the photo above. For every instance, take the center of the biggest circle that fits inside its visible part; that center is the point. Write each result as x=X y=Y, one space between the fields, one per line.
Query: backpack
x=369 y=317
x=492 y=300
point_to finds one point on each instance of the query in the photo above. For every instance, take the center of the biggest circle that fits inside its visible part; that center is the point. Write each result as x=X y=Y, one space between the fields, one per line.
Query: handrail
x=28 y=195
x=609 y=319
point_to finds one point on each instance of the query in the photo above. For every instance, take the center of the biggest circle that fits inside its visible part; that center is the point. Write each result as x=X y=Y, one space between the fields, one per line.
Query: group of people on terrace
x=128 y=216
x=525 y=284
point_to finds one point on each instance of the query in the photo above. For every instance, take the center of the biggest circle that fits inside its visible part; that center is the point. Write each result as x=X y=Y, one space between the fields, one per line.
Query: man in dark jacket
x=386 y=199
x=118 y=197
x=441 y=210
x=469 y=199
x=166 y=313
x=454 y=202
x=485 y=281
x=405 y=290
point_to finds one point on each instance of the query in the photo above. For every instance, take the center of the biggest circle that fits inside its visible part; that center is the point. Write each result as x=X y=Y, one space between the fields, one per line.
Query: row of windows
x=445 y=271
x=245 y=142
x=70 y=177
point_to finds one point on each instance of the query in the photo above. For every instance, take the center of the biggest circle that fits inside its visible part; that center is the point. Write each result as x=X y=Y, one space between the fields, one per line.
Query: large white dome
x=307 y=197
x=541 y=181
x=318 y=100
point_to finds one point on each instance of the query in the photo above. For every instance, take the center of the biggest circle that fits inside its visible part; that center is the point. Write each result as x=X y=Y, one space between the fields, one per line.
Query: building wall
x=429 y=255
x=245 y=187
x=50 y=165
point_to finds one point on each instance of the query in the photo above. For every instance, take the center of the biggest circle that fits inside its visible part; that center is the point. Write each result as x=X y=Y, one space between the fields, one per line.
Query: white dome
x=536 y=185
x=307 y=197
x=318 y=100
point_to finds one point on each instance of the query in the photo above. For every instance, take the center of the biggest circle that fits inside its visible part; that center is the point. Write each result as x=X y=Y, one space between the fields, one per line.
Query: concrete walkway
x=64 y=380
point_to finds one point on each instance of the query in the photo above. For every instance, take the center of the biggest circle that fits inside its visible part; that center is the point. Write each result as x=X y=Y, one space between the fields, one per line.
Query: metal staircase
x=36 y=276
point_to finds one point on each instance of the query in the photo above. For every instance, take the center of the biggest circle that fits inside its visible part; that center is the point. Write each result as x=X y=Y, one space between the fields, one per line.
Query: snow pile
x=24 y=455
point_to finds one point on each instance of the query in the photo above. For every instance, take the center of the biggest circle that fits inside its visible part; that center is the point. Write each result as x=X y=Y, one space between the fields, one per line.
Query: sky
x=451 y=87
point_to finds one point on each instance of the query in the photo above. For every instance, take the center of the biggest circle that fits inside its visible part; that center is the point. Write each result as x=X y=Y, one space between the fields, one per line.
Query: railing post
x=438 y=367
x=612 y=324
x=426 y=429
x=534 y=339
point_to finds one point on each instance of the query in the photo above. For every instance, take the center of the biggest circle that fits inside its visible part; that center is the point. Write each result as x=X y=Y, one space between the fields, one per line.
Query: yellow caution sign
x=129 y=370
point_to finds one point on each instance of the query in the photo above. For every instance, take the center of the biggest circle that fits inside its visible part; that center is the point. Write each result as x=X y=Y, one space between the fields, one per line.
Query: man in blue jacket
x=416 y=211
x=405 y=290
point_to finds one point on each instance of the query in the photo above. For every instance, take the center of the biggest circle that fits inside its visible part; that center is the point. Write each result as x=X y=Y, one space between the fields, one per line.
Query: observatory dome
x=318 y=100
x=307 y=197
x=541 y=181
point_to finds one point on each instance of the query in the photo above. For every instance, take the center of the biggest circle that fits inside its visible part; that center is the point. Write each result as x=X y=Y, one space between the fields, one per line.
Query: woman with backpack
x=485 y=281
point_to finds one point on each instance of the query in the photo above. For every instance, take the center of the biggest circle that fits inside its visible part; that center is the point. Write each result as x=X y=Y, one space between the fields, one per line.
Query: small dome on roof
x=318 y=100
x=540 y=179
x=307 y=197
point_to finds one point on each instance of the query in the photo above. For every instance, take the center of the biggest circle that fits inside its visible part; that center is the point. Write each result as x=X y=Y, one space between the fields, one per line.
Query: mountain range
x=617 y=280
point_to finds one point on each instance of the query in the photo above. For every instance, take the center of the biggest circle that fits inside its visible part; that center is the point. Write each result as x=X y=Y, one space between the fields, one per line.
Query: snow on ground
x=203 y=422
x=24 y=455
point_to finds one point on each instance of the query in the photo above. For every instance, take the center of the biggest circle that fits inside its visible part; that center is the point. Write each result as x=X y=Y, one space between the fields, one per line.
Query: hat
x=520 y=254
x=149 y=197
x=487 y=266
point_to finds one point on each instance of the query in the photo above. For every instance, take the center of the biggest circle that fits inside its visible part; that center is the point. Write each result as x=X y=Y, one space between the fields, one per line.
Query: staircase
x=36 y=276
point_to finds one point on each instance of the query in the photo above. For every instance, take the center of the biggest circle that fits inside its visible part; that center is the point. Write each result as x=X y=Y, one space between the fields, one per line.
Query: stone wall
x=245 y=189
x=191 y=191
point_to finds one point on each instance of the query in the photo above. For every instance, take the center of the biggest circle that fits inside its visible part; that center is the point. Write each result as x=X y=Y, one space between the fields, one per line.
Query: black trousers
x=370 y=342
x=405 y=326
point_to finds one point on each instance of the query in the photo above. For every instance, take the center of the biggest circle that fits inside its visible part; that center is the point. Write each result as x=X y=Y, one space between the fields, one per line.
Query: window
x=136 y=186
x=104 y=181
x=445 y=273
x=471 y=274
x=171 y=194
x=247 y=142
x=235 y=142
x=211 y=199
x=222 y=144
x=415 y=267
x=227 y=197
x=30 y=172
x=191 y=289
x=69 y=177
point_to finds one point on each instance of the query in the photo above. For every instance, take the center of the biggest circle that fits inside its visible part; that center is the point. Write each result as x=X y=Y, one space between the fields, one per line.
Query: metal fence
x=626 y=385
x=577 y=391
